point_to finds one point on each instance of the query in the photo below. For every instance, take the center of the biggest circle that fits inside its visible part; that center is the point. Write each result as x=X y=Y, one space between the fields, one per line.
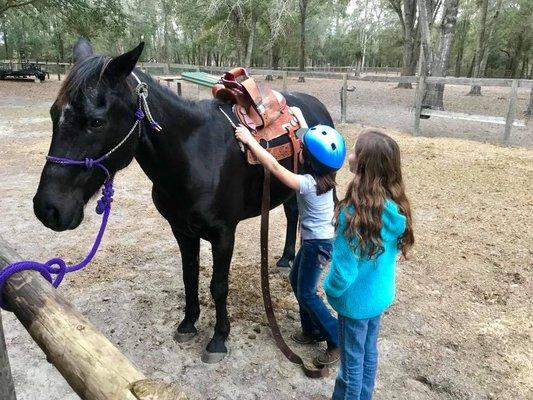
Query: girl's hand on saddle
x=243 y=134
x=299 y=116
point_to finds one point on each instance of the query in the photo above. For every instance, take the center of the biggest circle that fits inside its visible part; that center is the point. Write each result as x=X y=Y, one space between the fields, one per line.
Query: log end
x=155 y=389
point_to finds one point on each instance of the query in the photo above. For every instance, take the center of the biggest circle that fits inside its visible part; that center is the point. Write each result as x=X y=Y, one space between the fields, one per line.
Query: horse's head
x=92 y=113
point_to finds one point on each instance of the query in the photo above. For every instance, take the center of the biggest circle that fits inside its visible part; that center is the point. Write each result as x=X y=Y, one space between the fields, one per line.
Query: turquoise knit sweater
x=357 y=287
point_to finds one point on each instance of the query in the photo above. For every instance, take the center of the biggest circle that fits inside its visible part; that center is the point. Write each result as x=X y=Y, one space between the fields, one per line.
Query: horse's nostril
x=52 y=215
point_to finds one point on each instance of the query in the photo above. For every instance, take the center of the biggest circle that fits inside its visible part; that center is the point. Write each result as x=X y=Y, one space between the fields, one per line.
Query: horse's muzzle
x=56 y=214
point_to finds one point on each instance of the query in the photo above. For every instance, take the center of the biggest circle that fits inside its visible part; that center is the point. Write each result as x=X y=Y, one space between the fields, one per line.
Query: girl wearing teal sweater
x=373 y=224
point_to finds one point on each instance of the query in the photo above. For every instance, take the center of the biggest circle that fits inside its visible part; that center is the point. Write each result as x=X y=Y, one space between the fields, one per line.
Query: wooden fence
x=509 y=120
x=89 y=362
x=351 y=74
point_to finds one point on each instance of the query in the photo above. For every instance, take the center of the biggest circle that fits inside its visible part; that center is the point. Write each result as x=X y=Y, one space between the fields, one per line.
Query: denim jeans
x=305 y=274
x=359 y=358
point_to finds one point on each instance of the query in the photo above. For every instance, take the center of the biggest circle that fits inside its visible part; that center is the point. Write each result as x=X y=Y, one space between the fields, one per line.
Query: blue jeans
x=359 y=358
x=305 y=274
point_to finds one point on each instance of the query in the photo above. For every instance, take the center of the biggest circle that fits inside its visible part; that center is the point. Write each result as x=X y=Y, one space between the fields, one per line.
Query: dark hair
x=80 y=75
x=378 y=176
x=324 y=181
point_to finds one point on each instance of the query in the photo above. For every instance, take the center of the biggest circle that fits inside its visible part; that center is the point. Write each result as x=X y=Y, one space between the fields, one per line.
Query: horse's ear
x=81 y=50
x=121 y=66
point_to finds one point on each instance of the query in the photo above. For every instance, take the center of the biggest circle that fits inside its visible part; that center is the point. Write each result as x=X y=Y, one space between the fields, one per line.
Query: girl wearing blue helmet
x=323 y=154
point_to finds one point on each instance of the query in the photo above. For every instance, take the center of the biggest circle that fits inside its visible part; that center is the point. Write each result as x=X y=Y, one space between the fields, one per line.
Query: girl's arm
x=344 y=266
x=269 y=162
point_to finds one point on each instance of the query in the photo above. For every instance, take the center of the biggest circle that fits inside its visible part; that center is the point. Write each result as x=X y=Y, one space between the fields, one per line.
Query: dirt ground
x=462 y=324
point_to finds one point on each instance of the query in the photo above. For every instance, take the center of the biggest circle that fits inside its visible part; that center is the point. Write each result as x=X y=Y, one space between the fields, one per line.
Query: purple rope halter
x=57 y=266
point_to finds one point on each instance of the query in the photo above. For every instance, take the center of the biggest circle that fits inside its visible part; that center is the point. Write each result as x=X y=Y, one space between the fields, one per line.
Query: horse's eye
x=97 y=123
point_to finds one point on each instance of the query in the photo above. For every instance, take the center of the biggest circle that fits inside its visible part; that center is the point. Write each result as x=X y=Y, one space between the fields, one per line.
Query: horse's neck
x=178 y=118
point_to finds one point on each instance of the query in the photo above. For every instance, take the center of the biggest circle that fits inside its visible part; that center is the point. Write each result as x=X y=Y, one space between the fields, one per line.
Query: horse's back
x=314 y=111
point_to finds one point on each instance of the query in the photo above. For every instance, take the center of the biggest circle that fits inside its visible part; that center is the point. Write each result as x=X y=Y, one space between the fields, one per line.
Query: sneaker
x=328 y=357
x=306 y=338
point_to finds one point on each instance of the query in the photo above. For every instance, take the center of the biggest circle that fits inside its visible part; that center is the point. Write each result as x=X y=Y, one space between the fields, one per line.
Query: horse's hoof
x=183 y=337
x=213 y=358
x=284 y=262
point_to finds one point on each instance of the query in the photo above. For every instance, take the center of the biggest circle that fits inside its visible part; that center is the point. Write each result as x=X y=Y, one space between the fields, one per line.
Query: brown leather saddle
x=263 y=111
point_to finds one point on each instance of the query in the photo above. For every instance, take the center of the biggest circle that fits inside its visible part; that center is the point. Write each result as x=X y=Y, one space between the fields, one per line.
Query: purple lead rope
x=57 y=266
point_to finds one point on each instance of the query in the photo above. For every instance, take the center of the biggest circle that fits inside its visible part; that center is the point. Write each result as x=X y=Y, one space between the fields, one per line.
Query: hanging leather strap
x=309 y=369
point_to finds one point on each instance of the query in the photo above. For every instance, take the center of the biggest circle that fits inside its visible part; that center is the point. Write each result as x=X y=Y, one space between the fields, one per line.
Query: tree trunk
x=425 y=39
x=515 y=58
x=275 y=55
x=460 y=40
x=409 y=56
x=166 y=35
x=250 y=45
x=459 y=59
x=525 y=68
x=480 y=45
x=238 y=37
x=6 y=48
x=435 y=92
x=303 y=17
x=488 y=40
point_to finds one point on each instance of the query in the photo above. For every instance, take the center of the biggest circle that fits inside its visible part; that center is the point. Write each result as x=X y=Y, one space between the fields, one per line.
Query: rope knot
x=107 y=197
x=155 y=126
x=89 y=163
x=139 y=114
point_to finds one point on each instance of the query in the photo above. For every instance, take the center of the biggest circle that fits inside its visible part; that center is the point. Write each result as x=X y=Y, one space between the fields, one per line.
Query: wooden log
x=7 y=388
x=510 y=112
x=89 y=362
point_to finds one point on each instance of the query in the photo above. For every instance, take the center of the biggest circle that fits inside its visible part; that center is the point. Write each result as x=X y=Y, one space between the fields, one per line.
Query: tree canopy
x=268 y=32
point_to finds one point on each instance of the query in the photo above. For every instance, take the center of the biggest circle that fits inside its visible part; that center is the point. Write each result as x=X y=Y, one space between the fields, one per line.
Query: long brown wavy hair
x=378 y=176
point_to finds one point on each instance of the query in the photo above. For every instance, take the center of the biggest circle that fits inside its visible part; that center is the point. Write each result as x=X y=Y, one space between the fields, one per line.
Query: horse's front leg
x=291 y=213
x=190 y=253
x=222 y=247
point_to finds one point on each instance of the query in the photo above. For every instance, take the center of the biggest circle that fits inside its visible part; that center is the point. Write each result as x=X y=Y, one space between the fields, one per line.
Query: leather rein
x=309 y=369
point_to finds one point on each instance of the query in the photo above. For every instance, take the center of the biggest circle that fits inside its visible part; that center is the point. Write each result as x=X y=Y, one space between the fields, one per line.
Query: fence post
x=285 y=80
x=344 y=97
x=510 y=111
x=178 y=87
x=419 y=95
x=58 y=71
x=529 y=111
x=7 y=388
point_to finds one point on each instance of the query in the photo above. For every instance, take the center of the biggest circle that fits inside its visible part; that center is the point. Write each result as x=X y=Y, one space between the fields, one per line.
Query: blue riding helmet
x=324 y=146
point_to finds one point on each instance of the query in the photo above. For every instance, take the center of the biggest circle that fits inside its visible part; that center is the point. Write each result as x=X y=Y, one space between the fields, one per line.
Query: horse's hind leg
x=222 y=247
x=291 y=213
x=190 y=253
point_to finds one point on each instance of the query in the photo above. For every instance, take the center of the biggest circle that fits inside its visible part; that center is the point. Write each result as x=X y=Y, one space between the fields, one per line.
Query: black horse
x=202 y=184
